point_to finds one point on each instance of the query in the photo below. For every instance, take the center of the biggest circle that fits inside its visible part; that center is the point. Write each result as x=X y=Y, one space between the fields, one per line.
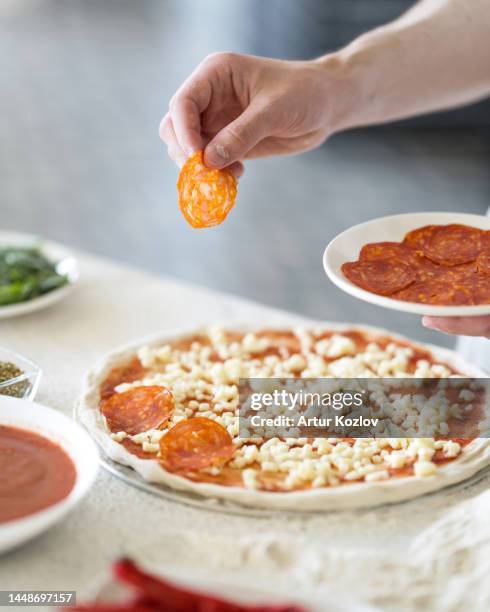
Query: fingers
x=235 y=140
x=237 y=169
x=186 y=106
x=181 y=128
x=186 y=120
x=167 y=134
x=462 y=326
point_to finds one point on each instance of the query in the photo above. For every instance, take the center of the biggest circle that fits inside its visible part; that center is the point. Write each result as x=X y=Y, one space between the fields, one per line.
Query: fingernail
x=178 y=157
x=222 y=152
x=429 y=322
x=217 y=155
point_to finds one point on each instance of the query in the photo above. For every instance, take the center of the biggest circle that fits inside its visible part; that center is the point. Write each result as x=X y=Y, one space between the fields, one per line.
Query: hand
x=237 y=107
x=462 y=326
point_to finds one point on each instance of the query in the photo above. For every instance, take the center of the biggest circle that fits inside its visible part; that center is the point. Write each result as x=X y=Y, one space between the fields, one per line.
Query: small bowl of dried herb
x=19 y=377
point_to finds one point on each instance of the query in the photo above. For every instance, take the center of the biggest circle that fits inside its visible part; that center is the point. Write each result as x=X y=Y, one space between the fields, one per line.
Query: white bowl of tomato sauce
x=48 y=463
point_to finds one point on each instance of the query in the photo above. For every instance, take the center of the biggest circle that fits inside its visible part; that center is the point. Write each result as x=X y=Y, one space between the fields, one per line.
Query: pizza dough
x=471 y=459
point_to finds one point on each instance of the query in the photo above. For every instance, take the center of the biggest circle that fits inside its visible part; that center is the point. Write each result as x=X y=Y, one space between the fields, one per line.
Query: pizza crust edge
x=474 y=457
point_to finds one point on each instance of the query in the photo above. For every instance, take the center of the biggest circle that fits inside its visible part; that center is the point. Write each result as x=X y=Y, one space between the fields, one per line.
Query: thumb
x=235 y=140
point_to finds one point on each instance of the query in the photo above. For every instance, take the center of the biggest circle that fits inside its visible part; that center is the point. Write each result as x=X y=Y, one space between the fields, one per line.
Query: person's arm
x=434 y=57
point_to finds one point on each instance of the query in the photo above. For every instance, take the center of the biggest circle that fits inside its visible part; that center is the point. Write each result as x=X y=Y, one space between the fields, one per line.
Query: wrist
x=349 y=95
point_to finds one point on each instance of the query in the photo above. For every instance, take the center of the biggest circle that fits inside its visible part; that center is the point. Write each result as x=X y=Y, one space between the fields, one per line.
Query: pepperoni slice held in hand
x=383 y=277
x=138 y=409
x=206 y=196
x=451 y=245
x=194 y=444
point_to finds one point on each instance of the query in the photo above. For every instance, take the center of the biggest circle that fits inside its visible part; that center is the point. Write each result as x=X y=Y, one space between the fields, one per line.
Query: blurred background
x=84 y=84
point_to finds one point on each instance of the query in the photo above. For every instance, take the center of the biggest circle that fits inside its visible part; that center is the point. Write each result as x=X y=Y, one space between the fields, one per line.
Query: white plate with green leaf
x=34 y=273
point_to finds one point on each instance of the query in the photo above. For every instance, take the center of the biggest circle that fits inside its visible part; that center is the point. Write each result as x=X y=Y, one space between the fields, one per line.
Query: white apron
x=475 y=350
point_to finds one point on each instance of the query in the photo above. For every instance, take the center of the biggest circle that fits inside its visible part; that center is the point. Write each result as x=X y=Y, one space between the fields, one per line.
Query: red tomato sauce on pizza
x=443 y=265
x=35 y=473
x=127 y=373
x=212 y=443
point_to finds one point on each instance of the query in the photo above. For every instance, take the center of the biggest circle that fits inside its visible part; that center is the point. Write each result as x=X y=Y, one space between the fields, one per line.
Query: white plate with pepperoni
x=431 y=263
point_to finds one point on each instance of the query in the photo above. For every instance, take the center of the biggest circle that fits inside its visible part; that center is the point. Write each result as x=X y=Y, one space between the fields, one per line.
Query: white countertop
x=114 y=305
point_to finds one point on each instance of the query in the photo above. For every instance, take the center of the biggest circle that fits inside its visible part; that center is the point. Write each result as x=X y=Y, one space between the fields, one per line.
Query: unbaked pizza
x=168 y=408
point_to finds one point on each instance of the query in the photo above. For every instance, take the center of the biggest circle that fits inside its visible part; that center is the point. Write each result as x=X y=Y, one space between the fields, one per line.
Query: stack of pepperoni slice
x=445 y=265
